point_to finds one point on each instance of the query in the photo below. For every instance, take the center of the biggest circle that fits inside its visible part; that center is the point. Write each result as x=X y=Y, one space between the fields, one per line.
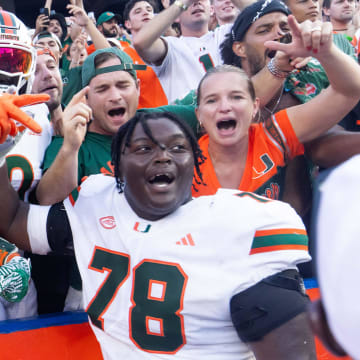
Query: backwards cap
x=252 y=13
x=89 y=71
x=46 y=34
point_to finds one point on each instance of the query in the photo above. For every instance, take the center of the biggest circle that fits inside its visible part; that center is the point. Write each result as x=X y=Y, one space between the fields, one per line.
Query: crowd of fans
x=269 y=90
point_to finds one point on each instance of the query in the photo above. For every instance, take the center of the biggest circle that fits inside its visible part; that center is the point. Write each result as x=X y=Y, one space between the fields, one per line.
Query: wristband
x=181 y=5
x=274 y=70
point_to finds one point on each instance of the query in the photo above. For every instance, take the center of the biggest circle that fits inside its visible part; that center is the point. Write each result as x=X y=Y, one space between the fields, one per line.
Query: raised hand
x=75 y=119
x=10 y=112
x=308 y=39
x=78 y=15
x=78 y=3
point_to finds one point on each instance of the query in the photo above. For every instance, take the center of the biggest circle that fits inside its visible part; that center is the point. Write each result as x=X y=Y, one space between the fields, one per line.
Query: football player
x=164 y=276
x=17 y=71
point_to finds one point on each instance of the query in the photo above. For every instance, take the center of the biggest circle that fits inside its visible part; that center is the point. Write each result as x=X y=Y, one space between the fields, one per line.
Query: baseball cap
x=89 y=71
x=45 y=34
x=252 y=13
x=106 y=16
x=61 y=19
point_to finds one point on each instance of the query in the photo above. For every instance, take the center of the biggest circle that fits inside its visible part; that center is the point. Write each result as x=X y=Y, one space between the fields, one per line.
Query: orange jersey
x=271 y=145
x=151 y=92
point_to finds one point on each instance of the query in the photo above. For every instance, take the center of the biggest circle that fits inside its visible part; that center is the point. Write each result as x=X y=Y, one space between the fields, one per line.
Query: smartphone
x=44 y=11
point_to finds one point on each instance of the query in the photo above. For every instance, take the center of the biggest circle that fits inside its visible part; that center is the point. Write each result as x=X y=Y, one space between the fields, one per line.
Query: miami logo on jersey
x=144 y=228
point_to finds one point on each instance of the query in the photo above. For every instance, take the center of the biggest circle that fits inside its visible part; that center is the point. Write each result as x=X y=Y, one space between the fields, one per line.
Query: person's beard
x=255 y=60
x=108 y=33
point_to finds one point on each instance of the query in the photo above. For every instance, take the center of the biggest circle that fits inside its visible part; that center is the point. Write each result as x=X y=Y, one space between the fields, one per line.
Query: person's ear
x=127 y=24
x=326 y=11
x=238 y=48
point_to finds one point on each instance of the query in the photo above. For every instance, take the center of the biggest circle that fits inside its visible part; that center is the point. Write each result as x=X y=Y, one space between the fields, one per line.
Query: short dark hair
x=326 y=4
x=226 y=69
x=130 y=4
x=123 y=137
x=226 y=51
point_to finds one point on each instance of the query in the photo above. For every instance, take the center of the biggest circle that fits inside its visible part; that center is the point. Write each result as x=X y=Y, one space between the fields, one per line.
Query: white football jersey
x=25 y=159
x=187 y=60
x=162 y=289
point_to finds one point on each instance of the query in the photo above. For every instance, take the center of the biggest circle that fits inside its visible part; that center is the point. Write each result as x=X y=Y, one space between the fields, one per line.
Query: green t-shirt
x=94 y=155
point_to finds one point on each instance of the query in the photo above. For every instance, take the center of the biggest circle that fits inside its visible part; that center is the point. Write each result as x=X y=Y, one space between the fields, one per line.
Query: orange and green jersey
x=271 y=145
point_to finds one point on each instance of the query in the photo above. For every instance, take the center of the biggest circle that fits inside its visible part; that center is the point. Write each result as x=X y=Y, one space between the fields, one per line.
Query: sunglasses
x=15 y=60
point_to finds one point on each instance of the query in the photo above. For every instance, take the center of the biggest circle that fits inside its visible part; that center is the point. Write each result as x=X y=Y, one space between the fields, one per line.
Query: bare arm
x=334 y=147
x=147 y=41
x=242 y=4
x=292 y=340
x=13 y=221
x=62 y=176
x=13 y=224
x=48 y=4
x=313 y=118
x=80 y=17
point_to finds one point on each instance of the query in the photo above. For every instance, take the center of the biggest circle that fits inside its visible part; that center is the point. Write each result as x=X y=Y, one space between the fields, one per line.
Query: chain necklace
x=277 y=102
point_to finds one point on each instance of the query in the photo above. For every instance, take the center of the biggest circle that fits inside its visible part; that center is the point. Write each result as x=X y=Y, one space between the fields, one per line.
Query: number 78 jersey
x=162 y=289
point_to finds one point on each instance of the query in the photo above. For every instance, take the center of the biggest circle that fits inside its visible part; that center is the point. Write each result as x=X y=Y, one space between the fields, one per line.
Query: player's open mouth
x=162 y=179
x=116 y=112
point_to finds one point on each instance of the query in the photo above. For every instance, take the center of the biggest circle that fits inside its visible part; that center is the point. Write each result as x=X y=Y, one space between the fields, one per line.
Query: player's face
x=140 y=14
x=55 y=27
x=48 y=80
x=51 y=44
x=252 y=50
x=304 y=9
x=341 y=10
x=113 y=98
x=196 y=15
x=226 y=108
x=157 y=179
x=225 y=11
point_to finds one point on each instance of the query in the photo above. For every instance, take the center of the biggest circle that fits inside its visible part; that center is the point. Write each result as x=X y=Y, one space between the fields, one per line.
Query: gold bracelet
x=181 y=5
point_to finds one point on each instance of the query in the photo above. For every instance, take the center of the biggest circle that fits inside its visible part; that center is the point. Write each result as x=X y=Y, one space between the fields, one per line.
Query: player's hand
x=308 y=39
x=14 y=279
x=76 y=116
x=10 y=112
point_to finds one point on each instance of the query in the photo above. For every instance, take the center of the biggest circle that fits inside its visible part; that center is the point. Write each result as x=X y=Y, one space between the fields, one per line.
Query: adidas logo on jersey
x=108 y=222
x=186 y=240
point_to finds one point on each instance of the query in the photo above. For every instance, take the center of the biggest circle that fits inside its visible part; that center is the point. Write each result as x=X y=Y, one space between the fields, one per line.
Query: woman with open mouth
x=249 y=156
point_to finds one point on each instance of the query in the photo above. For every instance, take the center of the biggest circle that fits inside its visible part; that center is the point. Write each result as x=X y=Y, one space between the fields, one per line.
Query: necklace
x=277 y=102
x=340 y=29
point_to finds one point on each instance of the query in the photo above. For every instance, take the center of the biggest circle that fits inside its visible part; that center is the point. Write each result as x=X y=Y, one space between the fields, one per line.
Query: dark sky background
x=27 y=10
